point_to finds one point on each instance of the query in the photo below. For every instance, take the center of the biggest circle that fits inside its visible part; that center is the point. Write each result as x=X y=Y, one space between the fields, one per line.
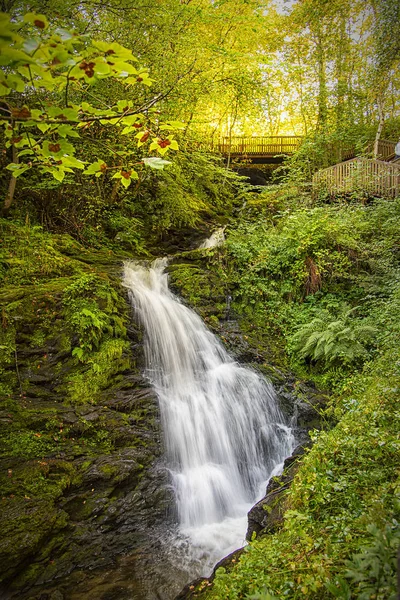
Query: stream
x=224 y=433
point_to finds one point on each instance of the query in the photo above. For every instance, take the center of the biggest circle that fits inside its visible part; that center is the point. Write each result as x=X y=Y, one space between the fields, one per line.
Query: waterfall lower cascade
x=225 y=435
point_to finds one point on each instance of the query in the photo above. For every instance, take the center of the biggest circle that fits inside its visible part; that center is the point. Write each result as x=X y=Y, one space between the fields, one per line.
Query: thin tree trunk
x=380 y=126
x=322 y=86
x=114 y=191
x=13 y=181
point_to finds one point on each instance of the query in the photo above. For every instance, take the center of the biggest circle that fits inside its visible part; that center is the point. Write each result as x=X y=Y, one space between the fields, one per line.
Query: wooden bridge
x=279 y=145
x=379 y=177
x=373 y=177
x=258 y=147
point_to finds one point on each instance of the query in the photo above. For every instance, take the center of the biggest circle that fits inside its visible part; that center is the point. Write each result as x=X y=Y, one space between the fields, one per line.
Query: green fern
x=373 y=570
x=334 y=340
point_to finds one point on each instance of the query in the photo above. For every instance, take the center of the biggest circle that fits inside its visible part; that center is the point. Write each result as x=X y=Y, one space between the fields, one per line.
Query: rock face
x=267 y=515
x=81 y=474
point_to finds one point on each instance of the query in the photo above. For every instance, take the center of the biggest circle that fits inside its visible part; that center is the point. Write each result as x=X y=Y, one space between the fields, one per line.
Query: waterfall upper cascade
x=224 y=432
x=217 y=238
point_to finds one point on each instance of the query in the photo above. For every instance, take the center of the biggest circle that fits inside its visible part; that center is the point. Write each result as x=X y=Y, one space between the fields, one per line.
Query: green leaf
x=27 y=152
x=64 y=34
x=11 y=56
x=17 y=169
x=155 y=162
x=78 y=352
x=131 y=119
x=4 y=90
x=43 y=127
x=128 y=129
x=30 y=45
x=58 y=174
x=102 y=68
x=122 y=105
x=95 y=167
x=16 y=83
x=160 y=150
x=71 y=161
x=123 y=69
x=67 y=130
x=115 y=49
x=38 y=20
x=126 y=182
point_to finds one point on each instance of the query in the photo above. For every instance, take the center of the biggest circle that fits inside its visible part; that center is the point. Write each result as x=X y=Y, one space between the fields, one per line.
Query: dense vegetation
x=111 y=159
x=325 y=280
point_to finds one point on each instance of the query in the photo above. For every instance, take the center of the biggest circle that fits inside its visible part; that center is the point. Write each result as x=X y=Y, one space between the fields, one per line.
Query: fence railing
x=258 y=146
x=375 y=177
x=385 y=149
x=288 y=144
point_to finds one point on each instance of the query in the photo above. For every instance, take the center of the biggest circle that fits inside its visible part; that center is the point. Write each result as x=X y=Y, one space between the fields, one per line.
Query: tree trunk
x=13 y=181
x=322 y=88
x=380 y=126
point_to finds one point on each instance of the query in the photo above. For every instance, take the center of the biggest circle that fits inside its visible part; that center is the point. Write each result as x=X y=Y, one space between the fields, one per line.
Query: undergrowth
x=326 y=281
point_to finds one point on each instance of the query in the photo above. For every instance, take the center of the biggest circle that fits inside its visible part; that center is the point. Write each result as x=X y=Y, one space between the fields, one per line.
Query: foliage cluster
x=341 y=530
x=47 y=73
x=326 y=279
x=317 y=275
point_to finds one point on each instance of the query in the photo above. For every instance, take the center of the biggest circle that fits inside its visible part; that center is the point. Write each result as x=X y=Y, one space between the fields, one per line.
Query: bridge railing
x=385 y=149
x=375 y=177
x=258 y=146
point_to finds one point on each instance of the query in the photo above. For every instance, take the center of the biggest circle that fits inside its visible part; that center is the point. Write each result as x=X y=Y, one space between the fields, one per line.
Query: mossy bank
x=79 y=426
x=316 y=290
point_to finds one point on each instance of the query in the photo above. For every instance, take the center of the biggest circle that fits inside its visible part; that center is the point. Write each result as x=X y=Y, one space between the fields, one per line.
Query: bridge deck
x=260 y=146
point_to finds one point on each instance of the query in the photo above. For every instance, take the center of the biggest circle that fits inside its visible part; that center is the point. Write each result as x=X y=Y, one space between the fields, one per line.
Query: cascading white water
x=217 y=238
x=224 y=432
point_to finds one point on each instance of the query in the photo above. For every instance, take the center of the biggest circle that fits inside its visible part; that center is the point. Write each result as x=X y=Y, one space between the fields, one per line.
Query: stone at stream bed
x=195 y=588
x=267 y=515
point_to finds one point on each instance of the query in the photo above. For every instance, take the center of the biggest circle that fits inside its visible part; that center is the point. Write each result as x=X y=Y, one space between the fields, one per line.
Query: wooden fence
x=258 y=146
x=375 y=177
x=385 y=149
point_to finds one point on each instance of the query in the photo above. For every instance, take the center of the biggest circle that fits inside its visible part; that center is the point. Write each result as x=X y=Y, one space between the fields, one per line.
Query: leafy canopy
x=47 y=75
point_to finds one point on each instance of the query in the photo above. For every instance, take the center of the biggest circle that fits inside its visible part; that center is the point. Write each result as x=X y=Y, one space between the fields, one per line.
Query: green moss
x=109 y=470
x=202 y=284
x=25 y=525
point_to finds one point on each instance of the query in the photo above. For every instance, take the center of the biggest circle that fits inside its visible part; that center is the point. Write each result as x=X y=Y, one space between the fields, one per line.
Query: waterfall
x=224 y=432
x=217 y=238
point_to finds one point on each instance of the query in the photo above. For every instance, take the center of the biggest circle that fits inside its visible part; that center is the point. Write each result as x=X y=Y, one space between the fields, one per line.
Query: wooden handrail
x=385 y=149
x=376 y=177
x=258 y=145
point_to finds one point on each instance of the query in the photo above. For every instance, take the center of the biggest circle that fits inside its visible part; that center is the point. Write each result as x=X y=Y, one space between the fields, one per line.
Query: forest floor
x=316 y=291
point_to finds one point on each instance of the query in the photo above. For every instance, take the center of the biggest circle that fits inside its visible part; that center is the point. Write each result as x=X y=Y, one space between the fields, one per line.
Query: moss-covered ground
x=68 y=376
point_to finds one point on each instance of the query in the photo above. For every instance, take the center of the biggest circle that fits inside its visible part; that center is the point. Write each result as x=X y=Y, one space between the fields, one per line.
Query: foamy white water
x=217 y=238
x=224 y=432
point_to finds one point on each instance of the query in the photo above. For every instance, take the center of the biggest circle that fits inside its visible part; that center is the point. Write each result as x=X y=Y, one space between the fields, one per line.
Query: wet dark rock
x=195 y=588
x=267 y=515
x=82 y=480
